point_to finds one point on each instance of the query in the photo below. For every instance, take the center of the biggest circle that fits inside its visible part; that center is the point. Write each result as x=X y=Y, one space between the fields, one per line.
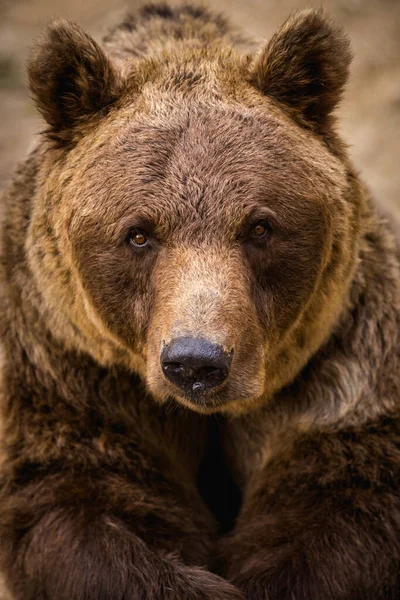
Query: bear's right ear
x=71 y=79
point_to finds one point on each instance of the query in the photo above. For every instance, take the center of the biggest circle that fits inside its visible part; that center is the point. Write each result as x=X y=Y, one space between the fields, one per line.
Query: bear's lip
x=199 y=402
x=201 y=396
x=209 y=400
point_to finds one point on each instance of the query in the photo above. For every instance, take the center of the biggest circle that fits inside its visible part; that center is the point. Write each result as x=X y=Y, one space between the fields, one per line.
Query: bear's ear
x=71 y=78
x=305 y=67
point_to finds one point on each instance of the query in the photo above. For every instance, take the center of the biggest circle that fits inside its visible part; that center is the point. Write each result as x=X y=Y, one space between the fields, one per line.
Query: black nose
x=194 y=364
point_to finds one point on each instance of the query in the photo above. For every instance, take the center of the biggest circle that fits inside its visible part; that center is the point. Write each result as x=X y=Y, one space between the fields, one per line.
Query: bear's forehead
x=215 y=163
x=197 y=156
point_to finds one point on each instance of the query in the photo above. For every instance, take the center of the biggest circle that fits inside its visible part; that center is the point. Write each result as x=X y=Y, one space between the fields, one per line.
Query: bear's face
x=206 y=239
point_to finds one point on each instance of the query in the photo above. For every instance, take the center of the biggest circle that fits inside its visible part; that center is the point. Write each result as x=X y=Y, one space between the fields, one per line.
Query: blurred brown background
x=370 y=114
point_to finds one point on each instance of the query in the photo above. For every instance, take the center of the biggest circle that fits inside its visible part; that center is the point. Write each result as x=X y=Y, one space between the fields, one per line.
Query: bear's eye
x=138 y=238
x=260 y=230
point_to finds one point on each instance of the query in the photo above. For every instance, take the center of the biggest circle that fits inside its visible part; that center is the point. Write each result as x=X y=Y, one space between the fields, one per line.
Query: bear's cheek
x=285 y=274
x=120 y=290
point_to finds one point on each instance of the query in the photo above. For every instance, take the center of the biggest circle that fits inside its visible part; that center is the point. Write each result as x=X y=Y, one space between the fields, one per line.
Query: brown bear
x=200 y=318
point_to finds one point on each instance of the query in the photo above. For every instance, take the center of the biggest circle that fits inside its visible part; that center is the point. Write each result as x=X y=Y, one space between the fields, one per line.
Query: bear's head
x=196 y=218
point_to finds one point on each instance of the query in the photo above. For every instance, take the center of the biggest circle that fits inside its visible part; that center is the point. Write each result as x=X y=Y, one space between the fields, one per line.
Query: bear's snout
x=195 y=364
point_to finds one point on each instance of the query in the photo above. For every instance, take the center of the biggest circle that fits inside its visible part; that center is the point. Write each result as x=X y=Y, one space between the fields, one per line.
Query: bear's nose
x=195 y=364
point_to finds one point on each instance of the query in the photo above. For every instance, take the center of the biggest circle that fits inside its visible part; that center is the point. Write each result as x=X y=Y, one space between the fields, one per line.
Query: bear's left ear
x=305 y=67
x=71 y=79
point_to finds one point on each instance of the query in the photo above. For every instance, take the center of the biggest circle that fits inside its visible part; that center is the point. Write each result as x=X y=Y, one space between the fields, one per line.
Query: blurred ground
x=370 y=114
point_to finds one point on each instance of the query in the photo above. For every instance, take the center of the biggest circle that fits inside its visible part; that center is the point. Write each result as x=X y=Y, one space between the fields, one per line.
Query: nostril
x=211 y=373
x=176 y=368
x=194 y=364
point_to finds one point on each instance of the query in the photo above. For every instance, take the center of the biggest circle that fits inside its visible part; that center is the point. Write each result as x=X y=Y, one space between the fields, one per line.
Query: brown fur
x=110 y=473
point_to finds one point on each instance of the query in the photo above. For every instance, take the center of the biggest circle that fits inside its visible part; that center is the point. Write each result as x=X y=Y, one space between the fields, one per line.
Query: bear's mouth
x=204 y=402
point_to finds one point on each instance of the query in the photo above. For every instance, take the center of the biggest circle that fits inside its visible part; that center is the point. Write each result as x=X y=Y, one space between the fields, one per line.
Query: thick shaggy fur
x=284 y=481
